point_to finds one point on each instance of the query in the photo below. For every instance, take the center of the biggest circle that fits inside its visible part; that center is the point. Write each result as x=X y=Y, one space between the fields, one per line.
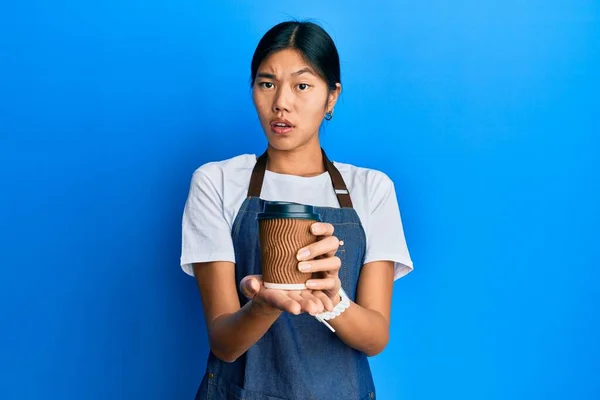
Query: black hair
x=312 y=41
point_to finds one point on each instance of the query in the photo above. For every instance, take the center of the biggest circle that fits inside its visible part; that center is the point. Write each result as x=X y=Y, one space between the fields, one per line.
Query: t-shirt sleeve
x=385 y=234
x=206 y=234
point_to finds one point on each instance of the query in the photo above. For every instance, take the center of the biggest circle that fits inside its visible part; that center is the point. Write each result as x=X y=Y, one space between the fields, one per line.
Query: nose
x=283 y=100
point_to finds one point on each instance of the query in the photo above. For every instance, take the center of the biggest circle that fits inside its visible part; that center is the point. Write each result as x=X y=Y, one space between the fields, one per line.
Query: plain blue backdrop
x=484 y=113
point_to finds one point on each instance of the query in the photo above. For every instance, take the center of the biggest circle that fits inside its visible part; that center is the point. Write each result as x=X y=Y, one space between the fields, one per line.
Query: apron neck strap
x=341 y=190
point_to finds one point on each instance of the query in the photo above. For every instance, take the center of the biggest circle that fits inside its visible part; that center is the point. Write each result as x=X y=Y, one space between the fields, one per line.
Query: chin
x=282 y=145
x=288 y=143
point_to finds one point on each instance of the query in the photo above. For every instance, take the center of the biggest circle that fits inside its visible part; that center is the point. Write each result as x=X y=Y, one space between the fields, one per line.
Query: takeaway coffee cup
x=284 y=228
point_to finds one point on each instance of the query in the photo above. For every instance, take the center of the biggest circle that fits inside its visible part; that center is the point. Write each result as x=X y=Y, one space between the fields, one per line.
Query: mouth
x=281 y=127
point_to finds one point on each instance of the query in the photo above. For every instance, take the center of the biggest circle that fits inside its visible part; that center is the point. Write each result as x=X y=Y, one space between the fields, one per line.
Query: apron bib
x=298 y=358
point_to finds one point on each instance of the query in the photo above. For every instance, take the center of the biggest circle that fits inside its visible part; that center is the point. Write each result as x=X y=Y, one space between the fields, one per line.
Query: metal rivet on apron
x=211 y=375
x=341 y=242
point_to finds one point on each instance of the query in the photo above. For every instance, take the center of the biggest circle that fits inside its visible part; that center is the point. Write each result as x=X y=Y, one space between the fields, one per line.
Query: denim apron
x=298 y=358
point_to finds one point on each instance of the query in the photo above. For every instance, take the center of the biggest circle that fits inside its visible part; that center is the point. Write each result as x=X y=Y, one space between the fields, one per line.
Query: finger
x=322 y=284
x=322 y=229
x=250 y=285
x=327 y=303
x=307 y=301
x=329 y=264
x=282 y=301
x=304 y=303
x=296 y=296
x=327 y=245
x=333 y=251
x=314 y=304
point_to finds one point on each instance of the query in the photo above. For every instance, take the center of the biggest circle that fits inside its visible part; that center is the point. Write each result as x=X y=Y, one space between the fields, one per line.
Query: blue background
x=484 y=113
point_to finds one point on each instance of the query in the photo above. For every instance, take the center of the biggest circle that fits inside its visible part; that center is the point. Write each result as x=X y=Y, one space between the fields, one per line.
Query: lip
x=280 y=130
x=281 y=121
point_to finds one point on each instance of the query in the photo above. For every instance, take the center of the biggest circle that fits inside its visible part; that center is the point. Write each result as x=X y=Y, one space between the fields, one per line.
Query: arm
x=365 y=325
x=233 y=330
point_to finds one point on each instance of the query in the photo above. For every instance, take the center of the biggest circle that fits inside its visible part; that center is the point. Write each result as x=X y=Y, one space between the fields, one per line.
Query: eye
x=266 y=85
x=303 y=86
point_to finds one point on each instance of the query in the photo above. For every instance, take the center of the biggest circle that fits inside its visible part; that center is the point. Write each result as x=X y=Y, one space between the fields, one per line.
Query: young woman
x=266 y=343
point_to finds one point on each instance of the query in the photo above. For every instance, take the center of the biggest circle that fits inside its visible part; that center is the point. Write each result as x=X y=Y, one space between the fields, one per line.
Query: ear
x=333 y=97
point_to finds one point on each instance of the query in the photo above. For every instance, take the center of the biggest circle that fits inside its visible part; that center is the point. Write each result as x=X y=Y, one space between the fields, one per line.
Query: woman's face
x=291 y=100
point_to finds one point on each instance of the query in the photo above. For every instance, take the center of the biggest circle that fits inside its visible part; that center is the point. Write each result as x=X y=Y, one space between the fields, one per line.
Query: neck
x=304 y=161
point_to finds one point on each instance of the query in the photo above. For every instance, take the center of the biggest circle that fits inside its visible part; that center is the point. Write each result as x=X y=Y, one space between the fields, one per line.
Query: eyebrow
x=303 y=71
x=272 y=76
x=265 y=75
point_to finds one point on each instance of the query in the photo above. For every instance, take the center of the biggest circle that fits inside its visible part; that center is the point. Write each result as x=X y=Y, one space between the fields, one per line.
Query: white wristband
x=337 y=310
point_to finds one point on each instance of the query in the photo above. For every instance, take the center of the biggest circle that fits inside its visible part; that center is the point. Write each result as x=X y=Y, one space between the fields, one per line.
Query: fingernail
x=304 y=267
x=311 y=284
x=302 y=254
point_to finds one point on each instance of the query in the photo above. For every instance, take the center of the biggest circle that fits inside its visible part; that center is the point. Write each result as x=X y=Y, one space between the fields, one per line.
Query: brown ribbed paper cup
x=284 y=228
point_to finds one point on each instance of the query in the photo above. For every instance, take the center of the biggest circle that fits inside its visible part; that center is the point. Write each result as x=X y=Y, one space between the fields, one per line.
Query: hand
x=319 y=258
x=293 y=301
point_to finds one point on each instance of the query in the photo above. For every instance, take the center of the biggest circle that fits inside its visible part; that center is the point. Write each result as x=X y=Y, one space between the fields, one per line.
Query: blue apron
x=298 y=358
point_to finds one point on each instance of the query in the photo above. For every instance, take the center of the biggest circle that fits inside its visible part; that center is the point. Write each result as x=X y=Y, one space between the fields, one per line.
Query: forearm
x=362 y=329
x=231 y=335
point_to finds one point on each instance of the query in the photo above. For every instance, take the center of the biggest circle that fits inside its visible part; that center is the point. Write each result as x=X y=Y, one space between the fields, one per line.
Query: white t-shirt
x=218 y=190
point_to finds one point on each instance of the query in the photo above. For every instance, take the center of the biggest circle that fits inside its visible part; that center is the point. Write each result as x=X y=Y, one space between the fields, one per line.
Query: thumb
x=250 y=285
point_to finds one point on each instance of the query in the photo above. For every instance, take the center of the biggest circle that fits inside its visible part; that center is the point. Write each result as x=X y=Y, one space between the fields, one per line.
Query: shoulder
x=369 y=180
x=231 y=167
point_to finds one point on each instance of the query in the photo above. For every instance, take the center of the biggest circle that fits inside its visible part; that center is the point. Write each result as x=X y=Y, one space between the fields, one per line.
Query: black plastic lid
x=283 y=209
